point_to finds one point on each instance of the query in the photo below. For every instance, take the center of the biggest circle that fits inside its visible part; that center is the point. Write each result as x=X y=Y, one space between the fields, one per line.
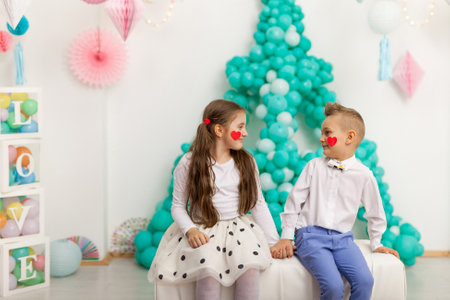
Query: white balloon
x=267 y=182
x=395 y=229
x=264 y=89
x=279 y=87
x=261 y=111
x=270 y=155
x=385 y=16
x=271 y=75
x=285 y=187
x=292 y=38
x=284 y=118
x=288 y=174
x=265 y=145
x=291 y=132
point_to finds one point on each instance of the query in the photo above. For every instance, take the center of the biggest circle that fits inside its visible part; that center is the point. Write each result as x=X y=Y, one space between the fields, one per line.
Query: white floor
x=123 y=279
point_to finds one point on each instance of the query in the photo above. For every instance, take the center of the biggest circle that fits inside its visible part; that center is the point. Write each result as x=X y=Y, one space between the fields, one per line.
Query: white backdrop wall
x=109 y=152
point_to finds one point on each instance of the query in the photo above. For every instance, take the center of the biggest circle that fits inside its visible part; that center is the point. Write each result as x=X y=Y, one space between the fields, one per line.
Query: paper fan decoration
x=123 y=237
x=98 y=57
x=125 y=14
x=5 y=41
x=88 y=248
x=15 y=9
x=94 y=1
x=408 y=74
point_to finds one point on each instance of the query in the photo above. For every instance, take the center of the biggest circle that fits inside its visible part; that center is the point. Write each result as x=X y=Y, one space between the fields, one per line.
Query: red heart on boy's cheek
x=235 y=135
x=332 y=140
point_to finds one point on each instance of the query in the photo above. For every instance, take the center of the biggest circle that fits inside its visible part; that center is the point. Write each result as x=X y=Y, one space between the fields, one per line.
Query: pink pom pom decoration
x=98 y=57
x=5 y=41
x=94 y=1
x=408 y=74
x=125 y=14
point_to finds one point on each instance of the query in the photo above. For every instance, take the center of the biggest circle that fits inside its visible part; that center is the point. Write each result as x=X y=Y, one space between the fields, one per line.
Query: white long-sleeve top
x=330 y=198
x=225 y=200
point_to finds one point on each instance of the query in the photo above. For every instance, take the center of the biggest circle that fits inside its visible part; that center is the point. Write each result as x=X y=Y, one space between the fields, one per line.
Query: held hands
x=282 y=249
x=196 y=238
x=383 y=249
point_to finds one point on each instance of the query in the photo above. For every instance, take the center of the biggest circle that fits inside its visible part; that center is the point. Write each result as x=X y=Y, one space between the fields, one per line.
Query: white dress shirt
x=225 y=200
x=330 y=198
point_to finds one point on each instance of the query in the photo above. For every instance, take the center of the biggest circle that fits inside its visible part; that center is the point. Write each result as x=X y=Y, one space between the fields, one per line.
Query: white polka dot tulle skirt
x=235 y=246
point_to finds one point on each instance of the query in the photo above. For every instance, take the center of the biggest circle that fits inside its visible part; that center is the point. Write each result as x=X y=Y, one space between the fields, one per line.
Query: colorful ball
x=23 y=151
x=12 y=282
x=161 y=220
x=39 y=262
x=147 y=256
x=2 y=221
x=30 y=226
x=15 y=207
x=10 y=229
x=19 y=96
x=143 y=240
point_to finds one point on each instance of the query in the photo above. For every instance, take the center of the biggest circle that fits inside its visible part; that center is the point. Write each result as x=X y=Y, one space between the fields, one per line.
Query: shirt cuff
x=375 y=245
x=288 y=233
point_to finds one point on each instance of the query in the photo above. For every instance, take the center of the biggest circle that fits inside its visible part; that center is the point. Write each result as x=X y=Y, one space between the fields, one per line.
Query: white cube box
x=20 y=162
x=25 y=266
x=20 y=112
x=21 y=215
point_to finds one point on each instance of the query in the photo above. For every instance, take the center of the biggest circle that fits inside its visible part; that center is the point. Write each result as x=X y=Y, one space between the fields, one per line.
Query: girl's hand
x=196 y=238
x=282 y=249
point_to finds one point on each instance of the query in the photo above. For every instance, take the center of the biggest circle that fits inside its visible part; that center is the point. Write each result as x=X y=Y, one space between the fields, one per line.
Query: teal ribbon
x=18 y=59
x=385 y=68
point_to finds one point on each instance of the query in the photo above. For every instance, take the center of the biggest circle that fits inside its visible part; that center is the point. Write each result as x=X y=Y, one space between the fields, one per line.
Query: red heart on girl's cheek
x=332 y=140
x=235 y=135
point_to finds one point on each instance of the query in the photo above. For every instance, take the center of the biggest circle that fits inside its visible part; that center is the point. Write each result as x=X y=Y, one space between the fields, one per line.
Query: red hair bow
x=207 y=121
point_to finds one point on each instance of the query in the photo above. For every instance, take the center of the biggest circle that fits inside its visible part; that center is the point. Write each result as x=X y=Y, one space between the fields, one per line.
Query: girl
x=213 y=240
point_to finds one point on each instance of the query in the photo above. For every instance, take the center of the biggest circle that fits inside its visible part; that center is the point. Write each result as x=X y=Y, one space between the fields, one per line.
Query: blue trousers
x=327 y=254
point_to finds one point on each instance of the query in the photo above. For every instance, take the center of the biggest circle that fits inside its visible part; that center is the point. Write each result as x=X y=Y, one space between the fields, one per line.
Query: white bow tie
x=333 y=163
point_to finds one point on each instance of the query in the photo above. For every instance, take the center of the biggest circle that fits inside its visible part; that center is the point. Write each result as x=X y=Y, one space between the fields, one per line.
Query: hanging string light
x=165 y=19
x=431 y=7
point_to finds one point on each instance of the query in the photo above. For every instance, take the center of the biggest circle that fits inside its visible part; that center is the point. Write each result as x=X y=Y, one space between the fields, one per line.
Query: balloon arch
x=275 y=82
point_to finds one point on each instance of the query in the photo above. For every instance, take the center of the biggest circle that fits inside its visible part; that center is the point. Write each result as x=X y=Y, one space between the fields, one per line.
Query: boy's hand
x=383 y=249
x=282 y=249
x=196 y=238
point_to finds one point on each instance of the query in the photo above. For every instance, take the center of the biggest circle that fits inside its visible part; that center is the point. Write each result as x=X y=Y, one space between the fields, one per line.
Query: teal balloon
x=261 y=160
x=230 y=94
x=275 y=208
x=24 y=179
x=161 y=220
x=285 y=21
x=287 y=72
x=247 y=79
x=143 y=240
x=235 y=80
x=269 y=48
x=275 y=34
x=419 y=250
x=293 y=98
x=278 y=176
x=147 y=256
x=277 y=221
x=300 y=166
x=30 y=107
x=283 y=197
x=270 y=166
x=29 y=128
x=12 y=178
x=264 y=133
x=278 y=132
x=260 y=38
x=389 y=236
x=20 y=252
x=281 y=159
x=272 y=195
x=276 y=62
x=5 y=129
x=156 y=238
x=406 y=247
x=256 y=52
x=241 y=100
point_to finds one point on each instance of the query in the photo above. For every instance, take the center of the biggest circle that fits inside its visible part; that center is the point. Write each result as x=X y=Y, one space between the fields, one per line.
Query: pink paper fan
x=98 y=57
x=5 y=41
x=125 y=14
x=408 y=74
x=94 y=1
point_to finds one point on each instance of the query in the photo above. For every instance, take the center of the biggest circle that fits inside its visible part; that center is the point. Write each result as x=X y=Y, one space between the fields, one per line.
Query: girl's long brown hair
x=200 y=185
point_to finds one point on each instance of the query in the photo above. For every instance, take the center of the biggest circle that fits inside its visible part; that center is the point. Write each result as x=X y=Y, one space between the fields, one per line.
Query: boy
x=322 y=207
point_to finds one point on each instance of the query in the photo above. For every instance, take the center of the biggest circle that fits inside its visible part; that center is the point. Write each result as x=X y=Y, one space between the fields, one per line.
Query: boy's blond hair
x=351 y=120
